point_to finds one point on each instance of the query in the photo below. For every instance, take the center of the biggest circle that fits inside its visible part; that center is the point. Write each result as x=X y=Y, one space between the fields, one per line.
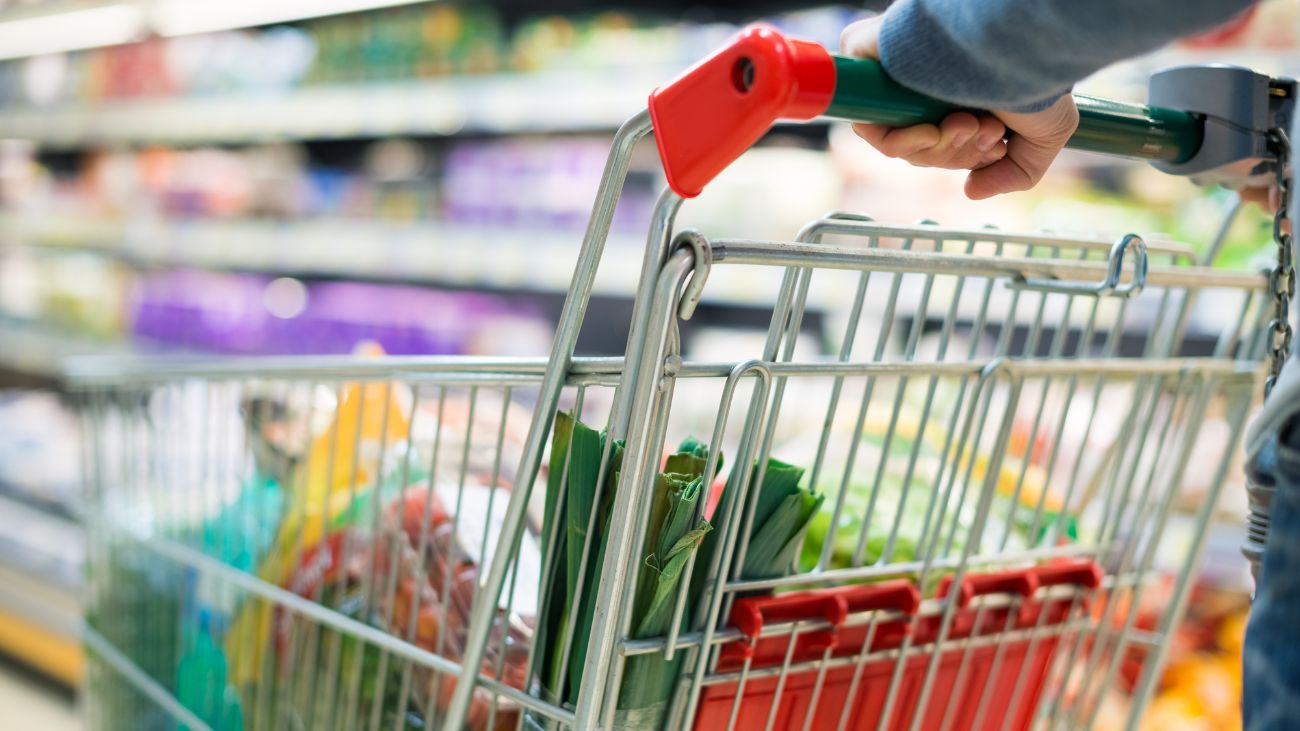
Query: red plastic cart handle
x=708 y=116
x=717 y=109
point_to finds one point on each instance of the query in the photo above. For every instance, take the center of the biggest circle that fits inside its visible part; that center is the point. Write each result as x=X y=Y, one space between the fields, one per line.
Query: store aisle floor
x=33 y=703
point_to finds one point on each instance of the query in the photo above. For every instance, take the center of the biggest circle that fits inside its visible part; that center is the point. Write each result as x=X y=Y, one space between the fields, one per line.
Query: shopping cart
x=945 y=513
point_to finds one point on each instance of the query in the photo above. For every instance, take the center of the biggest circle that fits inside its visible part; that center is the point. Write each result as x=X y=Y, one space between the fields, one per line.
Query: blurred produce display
x=1201 y=686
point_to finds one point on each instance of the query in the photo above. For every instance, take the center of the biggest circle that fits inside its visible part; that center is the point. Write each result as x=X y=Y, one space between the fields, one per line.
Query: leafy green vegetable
x=672 y=537
x=674 y=533
x=550 y=618
x=772 y=548
x=910 y=517
x=780 y=519
x=567 y=616
x=845 y=534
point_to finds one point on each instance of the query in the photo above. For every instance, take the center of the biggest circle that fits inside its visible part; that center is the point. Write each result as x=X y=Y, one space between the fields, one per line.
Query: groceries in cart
x=383 y=502
x=382 y=532
x=351 y=510
x=930 y=555
x=318 y=546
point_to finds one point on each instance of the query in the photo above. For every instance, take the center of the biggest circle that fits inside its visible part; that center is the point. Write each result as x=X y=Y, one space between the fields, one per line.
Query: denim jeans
x=1270 y=698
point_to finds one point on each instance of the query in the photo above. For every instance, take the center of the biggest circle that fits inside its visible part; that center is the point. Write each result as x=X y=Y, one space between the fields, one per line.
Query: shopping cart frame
x=674 y=274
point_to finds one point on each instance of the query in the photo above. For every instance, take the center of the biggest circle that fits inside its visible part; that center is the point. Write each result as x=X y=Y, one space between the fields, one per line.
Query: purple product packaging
x=200 y=310
x=227 y=313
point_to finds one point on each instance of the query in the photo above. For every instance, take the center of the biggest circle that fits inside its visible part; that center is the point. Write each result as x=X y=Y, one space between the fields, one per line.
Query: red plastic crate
x=900 y=601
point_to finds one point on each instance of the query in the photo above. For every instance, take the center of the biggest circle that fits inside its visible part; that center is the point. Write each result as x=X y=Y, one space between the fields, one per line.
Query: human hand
x=1005 y=151
x=1266 y=198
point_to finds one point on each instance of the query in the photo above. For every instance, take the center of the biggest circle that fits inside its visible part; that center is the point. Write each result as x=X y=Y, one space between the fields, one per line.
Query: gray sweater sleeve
x=1023 y=54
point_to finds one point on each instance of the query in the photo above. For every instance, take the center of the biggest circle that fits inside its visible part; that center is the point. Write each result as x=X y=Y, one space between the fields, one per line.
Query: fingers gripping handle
x=708 y=116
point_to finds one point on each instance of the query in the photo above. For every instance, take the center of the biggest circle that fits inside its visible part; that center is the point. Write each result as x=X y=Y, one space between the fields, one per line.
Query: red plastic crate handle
x=1079 y=573
x=832 y=606
x=749 y=615
x=1020 y=582
x=898 y=596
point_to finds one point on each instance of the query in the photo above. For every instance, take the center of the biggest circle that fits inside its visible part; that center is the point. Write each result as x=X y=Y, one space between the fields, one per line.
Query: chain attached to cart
x=1245 y=144
x=1281 y=286
x=1282 y=279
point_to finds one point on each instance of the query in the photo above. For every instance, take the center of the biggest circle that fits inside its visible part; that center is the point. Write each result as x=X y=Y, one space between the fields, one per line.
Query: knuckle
x=1067 y=124
x=846 y=35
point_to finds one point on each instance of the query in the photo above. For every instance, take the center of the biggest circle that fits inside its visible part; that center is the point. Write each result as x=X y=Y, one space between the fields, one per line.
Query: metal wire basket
x=996 y=432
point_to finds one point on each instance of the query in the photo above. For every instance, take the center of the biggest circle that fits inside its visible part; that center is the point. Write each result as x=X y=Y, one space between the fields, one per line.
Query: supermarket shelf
x=41 y=557
x=506 y=103
x=67 y=25
x=54 y=27
x=40 y=611
x=497 y=258
x=494 y=104
x=488 y=257
x=33 y=350
x=503 y=259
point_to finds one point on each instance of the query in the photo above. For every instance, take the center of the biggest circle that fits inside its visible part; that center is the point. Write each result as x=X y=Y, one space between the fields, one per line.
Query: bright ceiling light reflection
x=182 y=17
x=107 y=25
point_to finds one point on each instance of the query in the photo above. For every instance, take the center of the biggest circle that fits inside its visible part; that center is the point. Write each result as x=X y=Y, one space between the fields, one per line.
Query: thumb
x=862 y=39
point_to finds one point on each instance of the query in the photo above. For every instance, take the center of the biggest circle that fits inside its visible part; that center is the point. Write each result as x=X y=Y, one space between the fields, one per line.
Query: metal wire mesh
x=252 y=527
x=974 y=413
x=303 y=543
x=298 y=543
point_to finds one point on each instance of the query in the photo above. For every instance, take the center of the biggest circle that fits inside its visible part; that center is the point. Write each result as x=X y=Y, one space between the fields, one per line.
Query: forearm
x=1021 y=54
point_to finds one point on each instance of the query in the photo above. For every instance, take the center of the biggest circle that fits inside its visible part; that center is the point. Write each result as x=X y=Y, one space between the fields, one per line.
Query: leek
x=581 y=447
x=673 y=534
x=782 y=515
x=781 y=518
x=675 y=531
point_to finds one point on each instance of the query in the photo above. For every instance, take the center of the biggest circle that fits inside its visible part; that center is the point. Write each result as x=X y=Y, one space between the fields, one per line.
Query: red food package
x=437 y=559
x=326 y=573
x=414 y=505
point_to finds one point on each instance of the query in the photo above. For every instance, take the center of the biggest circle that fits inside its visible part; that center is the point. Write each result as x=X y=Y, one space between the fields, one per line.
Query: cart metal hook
x=694 y=290
x=1109 y=286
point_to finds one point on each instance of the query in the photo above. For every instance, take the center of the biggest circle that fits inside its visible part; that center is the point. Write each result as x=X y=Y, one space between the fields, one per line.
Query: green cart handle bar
x=717 y=109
